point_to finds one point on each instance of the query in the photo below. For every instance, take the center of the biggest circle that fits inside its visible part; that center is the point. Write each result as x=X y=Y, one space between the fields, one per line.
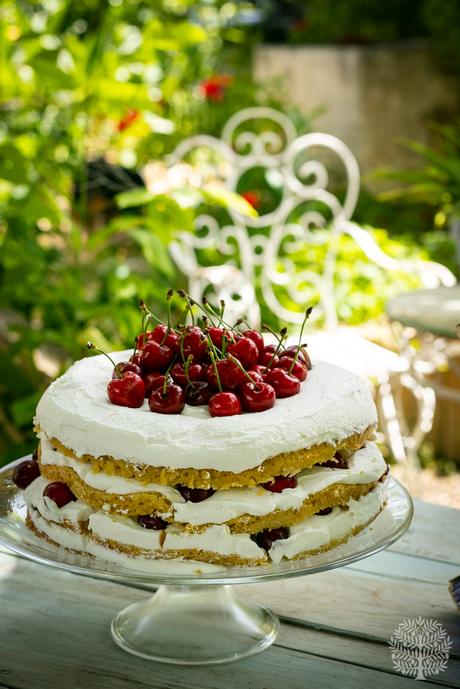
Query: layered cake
x=228 y=458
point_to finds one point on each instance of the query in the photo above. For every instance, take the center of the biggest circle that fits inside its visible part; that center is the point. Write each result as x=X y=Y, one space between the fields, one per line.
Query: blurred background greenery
x=91 y=92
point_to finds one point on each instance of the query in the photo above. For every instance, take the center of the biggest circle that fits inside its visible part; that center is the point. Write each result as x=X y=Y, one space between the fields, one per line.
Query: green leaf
x=154 y=251
x=23 y=410
x=217 y=194
x=133 y=197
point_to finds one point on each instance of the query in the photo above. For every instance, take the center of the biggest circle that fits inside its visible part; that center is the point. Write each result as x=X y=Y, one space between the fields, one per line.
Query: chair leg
x=390 y=419
x=425 y=398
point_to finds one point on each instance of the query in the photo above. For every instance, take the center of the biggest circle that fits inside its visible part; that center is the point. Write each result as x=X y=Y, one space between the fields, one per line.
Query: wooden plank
x=367 y=604
x=353 y=650
x=395 y=565
x=55 y=631
x=434 y=533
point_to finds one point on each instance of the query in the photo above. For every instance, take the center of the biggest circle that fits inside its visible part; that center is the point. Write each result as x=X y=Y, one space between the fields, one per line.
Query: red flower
x=214 y=87
x=253 y=198
x=300 y=25
x=127 y=120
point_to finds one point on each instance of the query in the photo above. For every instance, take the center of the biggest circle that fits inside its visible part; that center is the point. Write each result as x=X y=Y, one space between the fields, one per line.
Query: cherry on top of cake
x=215 y=364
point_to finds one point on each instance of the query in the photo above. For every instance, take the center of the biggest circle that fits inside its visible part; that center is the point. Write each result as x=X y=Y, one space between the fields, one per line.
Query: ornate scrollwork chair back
x=265 y=249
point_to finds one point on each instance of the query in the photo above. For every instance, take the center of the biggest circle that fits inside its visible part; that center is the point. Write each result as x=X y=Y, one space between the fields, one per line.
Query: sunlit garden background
x=95 y=95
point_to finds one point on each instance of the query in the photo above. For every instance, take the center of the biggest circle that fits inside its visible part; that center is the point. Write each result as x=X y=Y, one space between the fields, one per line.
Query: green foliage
x=436 y=183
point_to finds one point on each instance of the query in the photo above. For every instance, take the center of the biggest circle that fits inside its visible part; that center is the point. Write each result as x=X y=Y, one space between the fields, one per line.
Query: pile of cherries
x=217 y=365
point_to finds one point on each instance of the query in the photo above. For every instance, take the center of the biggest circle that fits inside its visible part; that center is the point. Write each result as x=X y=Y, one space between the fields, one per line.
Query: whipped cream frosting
x=365 y=466
x=333 y=404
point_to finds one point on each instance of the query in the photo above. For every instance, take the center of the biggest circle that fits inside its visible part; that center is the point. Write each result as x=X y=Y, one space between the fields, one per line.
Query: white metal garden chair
x=265 y=247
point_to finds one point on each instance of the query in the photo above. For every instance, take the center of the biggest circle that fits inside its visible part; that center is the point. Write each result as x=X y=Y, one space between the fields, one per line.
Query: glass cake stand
x=195 y=617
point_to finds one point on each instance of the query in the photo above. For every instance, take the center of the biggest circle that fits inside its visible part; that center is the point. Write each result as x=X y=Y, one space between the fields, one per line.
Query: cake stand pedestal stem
x=194 y=625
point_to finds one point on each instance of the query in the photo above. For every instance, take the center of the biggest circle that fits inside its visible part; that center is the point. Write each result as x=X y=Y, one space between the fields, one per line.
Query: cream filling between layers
x=313 y=533
x=84 y=544
x=317 y=531
x=365 y=466
x=108 y=483
x=73 y=512
x=332 y=405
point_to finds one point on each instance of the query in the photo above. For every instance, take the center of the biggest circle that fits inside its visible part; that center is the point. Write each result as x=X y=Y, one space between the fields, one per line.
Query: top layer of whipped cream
x=332 y=404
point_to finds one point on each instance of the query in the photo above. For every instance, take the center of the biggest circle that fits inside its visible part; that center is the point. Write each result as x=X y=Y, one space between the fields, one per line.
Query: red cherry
x=59 y=493
x=257 y=338
x=25 y=473
x=172 y=401
x=303 y=354
x=198 y=393
x=216 y=335
x=152 y=381
x=149 y=521
x=162 y=335
x=337 y=462
x=257 y=397
x=195 y=372
x=195 y=494
x=245 y=350
x=128 y=391
x=255 y=375
x=195 y=344
x=155 y=357
x=141 y=340
x=285 y=385
x=262 y=371
x=224 y=404
x=126 y=367
x=279 y=483
x=230 y=376
x=268 y=356
x=299 y=370
x=267 y=537
x=135 y=359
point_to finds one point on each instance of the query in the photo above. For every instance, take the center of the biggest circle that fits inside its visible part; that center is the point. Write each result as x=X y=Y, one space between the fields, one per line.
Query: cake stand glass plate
x=195 y=617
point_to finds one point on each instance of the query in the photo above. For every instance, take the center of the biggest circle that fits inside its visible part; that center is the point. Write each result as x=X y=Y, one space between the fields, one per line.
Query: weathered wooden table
x=54 y=626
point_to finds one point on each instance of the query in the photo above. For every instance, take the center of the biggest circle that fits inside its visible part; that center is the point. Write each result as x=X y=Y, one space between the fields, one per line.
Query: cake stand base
x=194 y=625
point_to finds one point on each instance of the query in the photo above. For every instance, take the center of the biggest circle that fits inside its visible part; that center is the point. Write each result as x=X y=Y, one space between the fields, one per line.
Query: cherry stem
x=270 y=330
x=221 y=312
x=296 y=356
x=168 y=308
x=181 y=317
x=90 y=345
x=181 y=348
x=241 y=367
x=166 y=375
x=144 y=308
x=218 y=315
x=182 y=293
x=186 y=369
x=283 y=333
x=213 y=359
x=242 y=321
